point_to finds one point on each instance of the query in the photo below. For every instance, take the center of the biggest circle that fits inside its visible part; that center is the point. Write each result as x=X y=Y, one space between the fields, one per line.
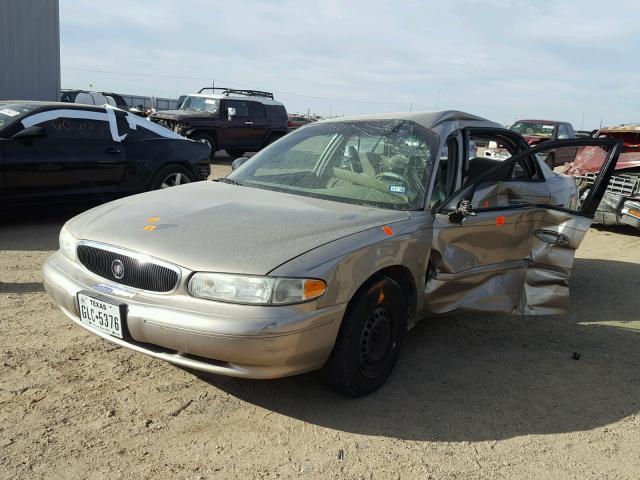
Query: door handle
x=554 y=238
x=248 y=123
x=112 y=150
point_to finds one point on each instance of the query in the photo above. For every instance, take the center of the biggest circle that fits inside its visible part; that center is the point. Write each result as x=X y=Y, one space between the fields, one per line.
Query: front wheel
x=171 y=176
x=370 y=338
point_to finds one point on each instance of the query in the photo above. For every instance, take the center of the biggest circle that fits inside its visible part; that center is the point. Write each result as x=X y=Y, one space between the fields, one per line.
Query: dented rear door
x=497 y=248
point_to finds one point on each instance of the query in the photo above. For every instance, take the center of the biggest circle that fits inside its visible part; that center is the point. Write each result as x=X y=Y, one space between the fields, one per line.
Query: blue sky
x=565 y=60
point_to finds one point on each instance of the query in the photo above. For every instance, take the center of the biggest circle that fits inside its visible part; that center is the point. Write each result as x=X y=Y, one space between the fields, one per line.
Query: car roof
x=540 y=121
x=430 y=120
x=252 y=98
x=43 y=104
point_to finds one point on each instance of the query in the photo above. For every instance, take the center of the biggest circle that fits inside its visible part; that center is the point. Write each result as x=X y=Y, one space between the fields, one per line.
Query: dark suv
x=237 y=121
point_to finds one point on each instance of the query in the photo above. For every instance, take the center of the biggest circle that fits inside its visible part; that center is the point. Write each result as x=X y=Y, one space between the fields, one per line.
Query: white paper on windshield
x=209 y=101
x=9 y=112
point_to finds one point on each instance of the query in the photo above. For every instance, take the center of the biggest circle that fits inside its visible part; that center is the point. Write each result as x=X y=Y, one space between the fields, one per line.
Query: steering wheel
x=390 y=176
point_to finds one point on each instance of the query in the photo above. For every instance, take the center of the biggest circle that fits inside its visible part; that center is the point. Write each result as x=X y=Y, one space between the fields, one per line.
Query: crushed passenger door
x=497 y=249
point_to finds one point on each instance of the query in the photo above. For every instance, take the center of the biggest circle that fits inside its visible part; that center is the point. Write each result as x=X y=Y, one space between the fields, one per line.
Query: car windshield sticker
x=210 y=102
x=8 y=112
x=397 y=188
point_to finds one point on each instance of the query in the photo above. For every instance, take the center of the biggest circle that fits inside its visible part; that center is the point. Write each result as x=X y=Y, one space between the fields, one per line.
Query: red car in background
x=621 y=202
x=538 y=131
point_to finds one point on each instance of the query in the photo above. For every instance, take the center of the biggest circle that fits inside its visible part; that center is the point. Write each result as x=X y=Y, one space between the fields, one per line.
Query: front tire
x=207 y=139
x=370 y=338
x=171 y=176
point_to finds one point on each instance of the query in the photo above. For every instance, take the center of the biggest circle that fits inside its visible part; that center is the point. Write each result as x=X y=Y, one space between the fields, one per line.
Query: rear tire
x=208 y=139
x=370 y=338
x=171 y=176
x=234 y=152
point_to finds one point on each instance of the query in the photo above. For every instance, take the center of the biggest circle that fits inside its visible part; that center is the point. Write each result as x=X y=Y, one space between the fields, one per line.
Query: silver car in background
x=324 y=248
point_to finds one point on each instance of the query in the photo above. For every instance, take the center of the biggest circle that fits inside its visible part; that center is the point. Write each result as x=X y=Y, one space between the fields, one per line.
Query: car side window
x=76 y=128
x=563 y=132
x=137 y=134
x=242 y=109
x=256 y=110
x=487 y=150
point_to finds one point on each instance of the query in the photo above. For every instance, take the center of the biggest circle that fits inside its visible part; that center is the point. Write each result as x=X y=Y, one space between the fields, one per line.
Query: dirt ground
x=473 y=396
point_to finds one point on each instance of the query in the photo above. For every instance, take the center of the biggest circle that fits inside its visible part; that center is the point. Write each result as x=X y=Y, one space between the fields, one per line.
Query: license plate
x=103 y=316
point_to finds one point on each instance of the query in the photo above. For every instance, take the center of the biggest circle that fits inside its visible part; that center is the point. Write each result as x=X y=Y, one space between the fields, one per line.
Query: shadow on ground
x=483 y=377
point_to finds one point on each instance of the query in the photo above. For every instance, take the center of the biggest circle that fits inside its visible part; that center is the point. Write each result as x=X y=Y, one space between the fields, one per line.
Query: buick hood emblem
x=117 y=268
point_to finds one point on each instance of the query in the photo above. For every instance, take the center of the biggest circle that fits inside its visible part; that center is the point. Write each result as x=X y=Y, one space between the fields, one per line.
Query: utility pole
x=438 y=98
x=411 y=107
x=582 y=122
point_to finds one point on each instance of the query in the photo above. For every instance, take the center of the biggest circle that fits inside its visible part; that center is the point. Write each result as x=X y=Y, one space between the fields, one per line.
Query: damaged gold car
x=325 y=247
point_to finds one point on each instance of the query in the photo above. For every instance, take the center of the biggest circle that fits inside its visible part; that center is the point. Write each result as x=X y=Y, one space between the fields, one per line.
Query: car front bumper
x=616 y=210
x=235 y=340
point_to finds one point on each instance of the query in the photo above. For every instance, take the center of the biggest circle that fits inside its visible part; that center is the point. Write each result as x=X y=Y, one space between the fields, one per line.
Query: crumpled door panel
x=497 y=263
x=555 y=241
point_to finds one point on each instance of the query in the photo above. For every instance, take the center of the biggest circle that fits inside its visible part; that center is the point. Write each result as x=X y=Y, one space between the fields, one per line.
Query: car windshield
x=200 y=104
x=12 y=112
x=383 y=163
x=534 y=129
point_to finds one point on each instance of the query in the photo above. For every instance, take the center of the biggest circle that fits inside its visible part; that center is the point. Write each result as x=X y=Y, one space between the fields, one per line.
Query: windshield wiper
x=230 y=181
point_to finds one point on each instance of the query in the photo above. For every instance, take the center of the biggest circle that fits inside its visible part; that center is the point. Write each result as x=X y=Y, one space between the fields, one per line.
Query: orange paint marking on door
x=500 y=220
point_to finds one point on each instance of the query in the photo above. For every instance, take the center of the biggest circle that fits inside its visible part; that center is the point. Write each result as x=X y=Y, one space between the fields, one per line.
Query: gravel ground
x=473 y=396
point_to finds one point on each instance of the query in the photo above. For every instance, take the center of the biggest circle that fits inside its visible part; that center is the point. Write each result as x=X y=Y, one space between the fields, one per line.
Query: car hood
x=211 y=226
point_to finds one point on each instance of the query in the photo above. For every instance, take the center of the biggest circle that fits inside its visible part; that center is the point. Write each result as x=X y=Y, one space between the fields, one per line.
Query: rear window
x=276 y=113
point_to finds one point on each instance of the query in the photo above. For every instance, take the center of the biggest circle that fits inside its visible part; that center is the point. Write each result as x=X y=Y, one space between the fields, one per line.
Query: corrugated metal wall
x=29 y=50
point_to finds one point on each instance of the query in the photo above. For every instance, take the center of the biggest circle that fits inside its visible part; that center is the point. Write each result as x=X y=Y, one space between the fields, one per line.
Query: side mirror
x=237 y=163
x=30 y=133
x=231 y=112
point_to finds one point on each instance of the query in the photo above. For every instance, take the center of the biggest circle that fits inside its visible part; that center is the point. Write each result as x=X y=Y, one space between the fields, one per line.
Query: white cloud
x=494 y=58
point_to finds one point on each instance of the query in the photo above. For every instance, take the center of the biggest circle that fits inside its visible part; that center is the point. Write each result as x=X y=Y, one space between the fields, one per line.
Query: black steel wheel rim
x=376 y=342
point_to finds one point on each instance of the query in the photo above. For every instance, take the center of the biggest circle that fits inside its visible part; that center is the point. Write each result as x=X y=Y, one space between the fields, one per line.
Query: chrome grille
x=133 y=270
x=624 y=185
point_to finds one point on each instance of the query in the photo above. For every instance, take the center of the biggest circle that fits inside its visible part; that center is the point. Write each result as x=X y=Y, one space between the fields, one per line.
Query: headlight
x=255 y=290
x=67 y=243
